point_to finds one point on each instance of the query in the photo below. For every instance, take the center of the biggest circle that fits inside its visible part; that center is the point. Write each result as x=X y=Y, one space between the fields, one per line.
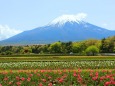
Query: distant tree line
x=87 y=47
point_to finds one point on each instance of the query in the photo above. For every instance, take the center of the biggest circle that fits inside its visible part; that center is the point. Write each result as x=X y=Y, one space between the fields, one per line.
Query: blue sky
x=20 y=15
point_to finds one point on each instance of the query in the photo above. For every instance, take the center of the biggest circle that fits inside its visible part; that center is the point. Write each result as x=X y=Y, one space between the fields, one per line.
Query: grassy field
x=55 y=58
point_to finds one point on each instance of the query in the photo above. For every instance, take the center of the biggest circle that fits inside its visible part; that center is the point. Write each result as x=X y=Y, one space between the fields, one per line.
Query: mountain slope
x=61 y=29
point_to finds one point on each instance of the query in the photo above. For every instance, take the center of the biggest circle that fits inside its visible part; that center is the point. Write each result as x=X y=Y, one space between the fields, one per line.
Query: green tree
x=104 y=46
x=107 y=45
x=55 y=47
x=76 y=48
x=68 y=46
x=111 y=44
x=0 y=49
x=63 y=45
x=92 y=50
x=114 y=49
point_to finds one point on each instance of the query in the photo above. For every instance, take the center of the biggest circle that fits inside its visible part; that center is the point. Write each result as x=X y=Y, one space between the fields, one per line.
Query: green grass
x=32 y=70
x=55 y=58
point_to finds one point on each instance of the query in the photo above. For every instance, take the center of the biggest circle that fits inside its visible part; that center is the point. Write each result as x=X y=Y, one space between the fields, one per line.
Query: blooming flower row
x=58 y=78
x=59 y=65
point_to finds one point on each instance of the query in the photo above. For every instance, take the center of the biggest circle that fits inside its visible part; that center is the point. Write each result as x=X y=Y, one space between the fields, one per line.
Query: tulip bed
x=85 y=64
x=58 y=78
x=57 y=71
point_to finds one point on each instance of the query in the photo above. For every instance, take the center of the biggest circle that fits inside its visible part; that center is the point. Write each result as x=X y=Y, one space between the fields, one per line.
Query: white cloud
x=81 y=16
x=62 y=19
x=104 y=24
x=6 y=32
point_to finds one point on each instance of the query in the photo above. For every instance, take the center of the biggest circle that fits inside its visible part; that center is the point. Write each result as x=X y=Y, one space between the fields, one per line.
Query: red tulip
x=38 y=74
x=44 y=80
x=28 y=79
x=96 y=74
x=112 y=78
x=102 y=78
x=94 y=78
x=18 y=83
x=113 y=82
x=61 y=80
x=6 y=78
x=108 y=76
x=17 y=78
x=30 y=75
x=74 y=74
x=22 y=78
x=107 y=83
x=40 y=84
x=91 y=74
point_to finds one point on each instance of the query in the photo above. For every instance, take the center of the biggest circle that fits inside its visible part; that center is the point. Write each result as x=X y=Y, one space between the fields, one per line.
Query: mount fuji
x=64 y=28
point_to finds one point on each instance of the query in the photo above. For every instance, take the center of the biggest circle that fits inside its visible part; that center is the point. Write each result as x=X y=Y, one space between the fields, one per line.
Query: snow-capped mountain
x=66 y=18
x=65 y=28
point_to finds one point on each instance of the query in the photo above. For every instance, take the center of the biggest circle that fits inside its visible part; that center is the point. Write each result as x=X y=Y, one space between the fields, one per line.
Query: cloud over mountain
x=6 y=32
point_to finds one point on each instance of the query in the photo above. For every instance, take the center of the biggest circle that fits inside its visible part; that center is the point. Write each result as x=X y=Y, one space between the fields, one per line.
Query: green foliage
x=107 y=45
x=114 y=49
x=92 y=50
x=76 y=48
x=55 y=47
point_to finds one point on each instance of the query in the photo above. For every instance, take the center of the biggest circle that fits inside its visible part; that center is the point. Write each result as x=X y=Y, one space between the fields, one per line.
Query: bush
x=92 y=51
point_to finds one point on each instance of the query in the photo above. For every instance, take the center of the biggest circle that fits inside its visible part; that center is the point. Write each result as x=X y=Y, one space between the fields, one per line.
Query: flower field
x=53 y=72
x=59 y=65
x=58 y=78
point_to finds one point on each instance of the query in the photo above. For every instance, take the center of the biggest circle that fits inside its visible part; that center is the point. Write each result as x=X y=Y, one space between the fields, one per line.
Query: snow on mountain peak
x=69 y=18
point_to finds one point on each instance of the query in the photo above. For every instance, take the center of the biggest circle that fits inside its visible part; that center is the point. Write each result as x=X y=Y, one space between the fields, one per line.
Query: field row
x=54 y=65
x=55 y=58
x=58 y=78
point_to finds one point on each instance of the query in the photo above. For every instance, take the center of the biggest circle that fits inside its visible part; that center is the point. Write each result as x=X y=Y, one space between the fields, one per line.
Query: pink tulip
x=49 y=77
x=30 y=75
x=50 y=84
x=28 y=79
x=91 y=74
x=94 y=78
x=102 y=78
x=18 y=83
x=44 y=80
x=74 y=74
x=6 y=78
x=61 y=80
x=22 y=78
x=96 y=74
x=17 y=78
x=10 y=83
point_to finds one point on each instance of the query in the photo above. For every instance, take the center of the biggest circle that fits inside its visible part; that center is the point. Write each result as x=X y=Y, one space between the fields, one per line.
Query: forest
x=87 y=47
